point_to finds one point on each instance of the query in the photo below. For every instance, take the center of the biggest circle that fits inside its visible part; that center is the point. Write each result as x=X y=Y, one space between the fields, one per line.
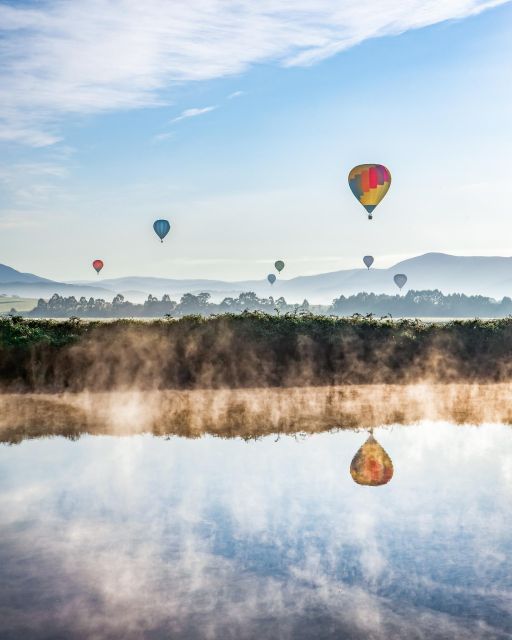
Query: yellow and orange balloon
x=369 y=183
x=371 y=465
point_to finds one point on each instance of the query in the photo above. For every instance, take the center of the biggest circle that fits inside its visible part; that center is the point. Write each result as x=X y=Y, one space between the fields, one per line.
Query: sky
x=239 y=122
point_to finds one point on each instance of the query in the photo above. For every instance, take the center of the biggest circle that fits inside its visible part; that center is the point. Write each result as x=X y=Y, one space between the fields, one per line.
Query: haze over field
x=477 y=275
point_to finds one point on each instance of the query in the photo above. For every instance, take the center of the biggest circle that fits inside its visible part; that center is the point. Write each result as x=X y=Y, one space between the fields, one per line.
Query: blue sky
x=240 y=126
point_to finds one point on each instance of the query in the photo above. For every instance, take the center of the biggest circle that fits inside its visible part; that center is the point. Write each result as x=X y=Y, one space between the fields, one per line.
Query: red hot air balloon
x=98 y=265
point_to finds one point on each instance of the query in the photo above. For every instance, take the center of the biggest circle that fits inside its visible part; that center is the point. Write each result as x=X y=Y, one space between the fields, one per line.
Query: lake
x=112 y=526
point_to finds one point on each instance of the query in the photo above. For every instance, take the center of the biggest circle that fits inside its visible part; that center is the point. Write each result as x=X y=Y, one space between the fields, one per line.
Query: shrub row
x=248 y=350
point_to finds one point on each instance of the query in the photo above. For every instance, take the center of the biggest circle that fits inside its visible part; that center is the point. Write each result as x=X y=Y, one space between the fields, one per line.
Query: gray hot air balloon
x=368 y=261
x=271 y=278
x=400 y=279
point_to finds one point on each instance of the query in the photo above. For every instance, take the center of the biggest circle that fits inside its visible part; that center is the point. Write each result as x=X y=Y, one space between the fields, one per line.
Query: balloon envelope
x=161 y=228
x=279 y=265
x=98 y=265
x=400 y=279
x=369 y=183
x=368 y=261
x=271 y=278
x=371 y=465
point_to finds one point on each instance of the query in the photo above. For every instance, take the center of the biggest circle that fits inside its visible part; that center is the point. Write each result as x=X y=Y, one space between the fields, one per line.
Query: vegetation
x=426 y=304
x=251 y=349
x=413 y=304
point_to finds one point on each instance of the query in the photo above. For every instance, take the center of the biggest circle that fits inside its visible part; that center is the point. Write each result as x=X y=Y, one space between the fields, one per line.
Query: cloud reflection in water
x=139 y=536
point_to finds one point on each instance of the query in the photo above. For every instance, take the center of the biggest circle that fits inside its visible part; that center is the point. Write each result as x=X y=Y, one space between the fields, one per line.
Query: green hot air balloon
x=279 y=265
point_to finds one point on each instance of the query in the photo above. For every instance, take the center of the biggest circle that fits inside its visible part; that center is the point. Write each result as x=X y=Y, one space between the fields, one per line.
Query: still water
x=144 y=536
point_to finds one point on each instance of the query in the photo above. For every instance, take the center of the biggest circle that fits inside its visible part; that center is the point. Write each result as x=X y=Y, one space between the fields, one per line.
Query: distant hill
x=28 y=285
x=490 y=276
x=137 y=288
x=10 y=275
x=485 y=275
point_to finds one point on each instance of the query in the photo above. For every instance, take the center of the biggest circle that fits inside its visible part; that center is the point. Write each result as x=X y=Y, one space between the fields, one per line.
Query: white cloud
x=60 y=57
x=236 y=94
x=192 y=113
x=161 y=137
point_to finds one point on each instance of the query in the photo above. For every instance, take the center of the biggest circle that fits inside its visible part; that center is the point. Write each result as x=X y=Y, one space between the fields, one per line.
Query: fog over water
x=249 y=413
x=117 y=535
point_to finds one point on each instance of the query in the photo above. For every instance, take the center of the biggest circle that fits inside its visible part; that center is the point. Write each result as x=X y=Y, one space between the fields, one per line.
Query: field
x=20 y=304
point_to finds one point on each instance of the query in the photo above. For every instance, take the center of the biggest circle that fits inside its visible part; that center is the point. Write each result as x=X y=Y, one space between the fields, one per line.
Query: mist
x=249 y=413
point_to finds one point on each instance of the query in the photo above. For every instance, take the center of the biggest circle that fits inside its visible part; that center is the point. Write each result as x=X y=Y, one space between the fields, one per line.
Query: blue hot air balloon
x=368 y=261
x=271 y=278
x=161 y=228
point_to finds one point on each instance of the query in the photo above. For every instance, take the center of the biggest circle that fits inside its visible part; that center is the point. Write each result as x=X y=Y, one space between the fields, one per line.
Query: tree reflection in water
x=248 y=413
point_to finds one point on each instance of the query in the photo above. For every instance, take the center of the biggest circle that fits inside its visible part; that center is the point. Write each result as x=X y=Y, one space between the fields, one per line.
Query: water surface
x=143 y=536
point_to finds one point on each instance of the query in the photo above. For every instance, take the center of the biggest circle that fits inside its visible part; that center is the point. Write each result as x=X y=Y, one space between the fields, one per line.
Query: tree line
x=190 y=304
x=423 y=304
x=428 y=303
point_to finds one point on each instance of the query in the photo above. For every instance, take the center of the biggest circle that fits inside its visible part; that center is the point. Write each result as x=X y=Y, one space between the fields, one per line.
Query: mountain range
x=484 y=275
x=28 y=285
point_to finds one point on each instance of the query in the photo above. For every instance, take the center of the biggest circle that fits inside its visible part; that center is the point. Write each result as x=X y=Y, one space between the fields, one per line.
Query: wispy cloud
x=31 y=193
x=192 y=113
x=161 y=137
x=236 y=94
x=71 y=58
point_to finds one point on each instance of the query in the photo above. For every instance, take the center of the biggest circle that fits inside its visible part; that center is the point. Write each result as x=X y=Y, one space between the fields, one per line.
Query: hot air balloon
x=98 y=265
x=369 y=183
x=400 y=279
x=279 y=265
x=271 y=278
x=371 y=465
x=161 y=228
x=368 y=261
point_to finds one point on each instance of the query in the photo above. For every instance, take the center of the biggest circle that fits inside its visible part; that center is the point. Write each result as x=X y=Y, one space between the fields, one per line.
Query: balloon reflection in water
x=371 y=465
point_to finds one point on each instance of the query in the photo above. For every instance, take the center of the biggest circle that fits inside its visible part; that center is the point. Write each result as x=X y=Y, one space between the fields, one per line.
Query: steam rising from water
x=253 y=351
x=249 y=413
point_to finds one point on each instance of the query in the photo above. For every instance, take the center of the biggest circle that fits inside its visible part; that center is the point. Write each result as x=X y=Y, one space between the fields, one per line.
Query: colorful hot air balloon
x=161 y=228
x=371 y=465
x=279 y=265
x=271 y=278
x=98 y=265
x=368 y=261
x=400 y=279
x=369 y=183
